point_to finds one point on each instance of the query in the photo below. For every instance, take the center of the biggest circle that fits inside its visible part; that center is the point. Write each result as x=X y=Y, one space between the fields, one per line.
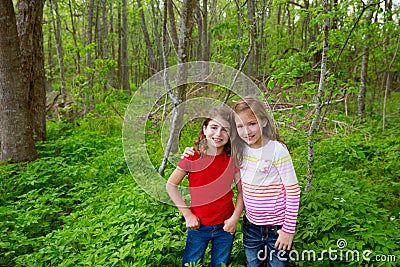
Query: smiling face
x=217 y=133
x=249 y=128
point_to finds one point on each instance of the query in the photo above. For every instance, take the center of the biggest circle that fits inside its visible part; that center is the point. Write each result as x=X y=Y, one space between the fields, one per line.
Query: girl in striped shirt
x=271 y=192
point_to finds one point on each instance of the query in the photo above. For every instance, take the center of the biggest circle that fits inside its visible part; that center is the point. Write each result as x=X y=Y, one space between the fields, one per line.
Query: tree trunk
x=179 y=96
x=174 y=34
x=157 y=34
x=200 y=33
x=60 y=52
x=29 y=23
x=119 y=45
x=364 y=66
x=389 y=75
x=388 y=85
x=74 y=38
x=104 y=29
x=318 y=109
x=240 y=18
x=17 y=144
x=150 y=52
x=124 y=49
x=205 y=40
x=88 y=59
x=251 y=9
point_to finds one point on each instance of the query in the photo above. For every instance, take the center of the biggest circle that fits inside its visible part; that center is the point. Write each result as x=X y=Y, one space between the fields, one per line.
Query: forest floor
x=78 y=204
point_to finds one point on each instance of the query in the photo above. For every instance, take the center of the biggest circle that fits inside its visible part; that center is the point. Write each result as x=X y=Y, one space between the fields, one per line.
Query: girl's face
x=249 y=128
x=217 y=133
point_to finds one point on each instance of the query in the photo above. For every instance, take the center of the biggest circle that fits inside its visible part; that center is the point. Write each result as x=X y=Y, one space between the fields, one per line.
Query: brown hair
x=226 y=114
x=259 y=110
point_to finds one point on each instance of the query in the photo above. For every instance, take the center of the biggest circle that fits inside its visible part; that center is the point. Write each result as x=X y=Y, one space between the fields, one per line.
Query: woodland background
x=68 y=69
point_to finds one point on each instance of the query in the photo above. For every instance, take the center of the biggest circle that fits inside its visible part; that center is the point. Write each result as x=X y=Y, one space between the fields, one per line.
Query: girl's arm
x=230 y=224
x=192 y=221
x=286 y=170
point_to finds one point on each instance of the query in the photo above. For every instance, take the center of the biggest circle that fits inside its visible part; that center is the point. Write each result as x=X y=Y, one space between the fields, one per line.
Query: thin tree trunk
x=305 y=29
x=60 y=52
x=17 y=144
x=50 y=72
x=156 y=34
x=318 y=109
x=167 y=86
x=104 y=34
x=388 y=85
x=390 y=36
x=251 y=9
x=205 y=40
x=174 y=33
x=200 y=32
x=119 y=47
x=364 y=66
x=179 y=96
x=29 y=23
x=150 y=52
x=74 y=38
x=240 y=18
x=124 y=49
x=104 y=28
x=88 y=59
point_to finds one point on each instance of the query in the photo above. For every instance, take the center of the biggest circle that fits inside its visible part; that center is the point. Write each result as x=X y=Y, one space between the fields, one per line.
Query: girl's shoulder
x=279 y=147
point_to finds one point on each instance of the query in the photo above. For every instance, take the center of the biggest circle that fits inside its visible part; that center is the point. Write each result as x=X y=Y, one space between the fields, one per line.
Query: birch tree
x=320 y=102
x=178 y=96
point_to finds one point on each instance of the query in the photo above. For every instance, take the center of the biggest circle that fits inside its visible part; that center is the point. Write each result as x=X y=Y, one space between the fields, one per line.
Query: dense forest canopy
x=285 y=39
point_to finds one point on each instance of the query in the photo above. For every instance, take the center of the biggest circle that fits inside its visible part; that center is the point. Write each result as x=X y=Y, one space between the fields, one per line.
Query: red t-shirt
x=210 y=181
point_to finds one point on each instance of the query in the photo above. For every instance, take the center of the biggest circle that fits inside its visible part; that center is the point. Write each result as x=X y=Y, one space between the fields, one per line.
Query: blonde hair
x=222 y=112
x=259 y=110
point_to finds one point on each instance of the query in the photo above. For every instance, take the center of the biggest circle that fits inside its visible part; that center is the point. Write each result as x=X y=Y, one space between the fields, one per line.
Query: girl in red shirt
x=212 y=217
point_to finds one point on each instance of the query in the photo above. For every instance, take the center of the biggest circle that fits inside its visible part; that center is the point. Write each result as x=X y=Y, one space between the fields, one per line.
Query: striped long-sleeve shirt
x=271 y=192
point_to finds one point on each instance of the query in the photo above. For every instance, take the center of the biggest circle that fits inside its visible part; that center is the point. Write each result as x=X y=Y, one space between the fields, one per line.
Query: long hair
x=201 y=142
x=259 y=110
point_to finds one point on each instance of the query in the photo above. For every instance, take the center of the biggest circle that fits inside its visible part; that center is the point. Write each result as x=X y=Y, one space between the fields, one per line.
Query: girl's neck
x=264 y=140
x=213 y=151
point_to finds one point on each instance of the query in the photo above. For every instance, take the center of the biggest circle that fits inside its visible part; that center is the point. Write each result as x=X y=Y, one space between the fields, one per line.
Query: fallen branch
x=302 y=106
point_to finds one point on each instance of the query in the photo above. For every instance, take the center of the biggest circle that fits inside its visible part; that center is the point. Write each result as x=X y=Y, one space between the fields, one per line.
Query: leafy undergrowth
x=78 y=205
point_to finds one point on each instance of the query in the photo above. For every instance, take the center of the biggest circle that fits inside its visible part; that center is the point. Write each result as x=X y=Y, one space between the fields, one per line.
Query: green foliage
x=355 y=197
x=77 y=205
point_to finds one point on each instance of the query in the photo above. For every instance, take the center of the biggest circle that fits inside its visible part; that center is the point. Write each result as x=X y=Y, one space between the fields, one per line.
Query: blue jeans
x=259 y=241
x=197 y=241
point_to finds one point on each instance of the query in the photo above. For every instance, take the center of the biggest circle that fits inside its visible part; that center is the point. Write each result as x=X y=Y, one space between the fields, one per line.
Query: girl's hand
x=284 y=241
x=189 y=151
x=230 y=225
x=192 y=222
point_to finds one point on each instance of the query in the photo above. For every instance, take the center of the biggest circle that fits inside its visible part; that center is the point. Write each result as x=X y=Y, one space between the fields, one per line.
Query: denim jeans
x=259 y=241
x=197 y=241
